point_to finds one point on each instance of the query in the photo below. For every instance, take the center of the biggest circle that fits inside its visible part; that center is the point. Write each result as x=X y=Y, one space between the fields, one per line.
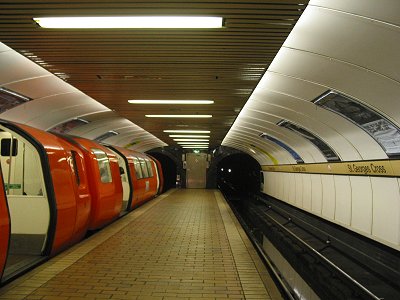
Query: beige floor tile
x=183 y=245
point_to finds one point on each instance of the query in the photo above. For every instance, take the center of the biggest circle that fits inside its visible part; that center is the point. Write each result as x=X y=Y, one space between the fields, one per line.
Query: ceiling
x=116 y=65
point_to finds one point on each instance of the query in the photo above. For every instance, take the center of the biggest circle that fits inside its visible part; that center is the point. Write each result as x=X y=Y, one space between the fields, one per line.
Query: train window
x=143 y=166
x=75 y=167
x=106 y=135
x=385 y=133
x=10 y=99
x=149 y=168
x=68 y=126
x=138 y=169
x=326 y=150
x=6 y=147
x=104 y=165
x=293 y=153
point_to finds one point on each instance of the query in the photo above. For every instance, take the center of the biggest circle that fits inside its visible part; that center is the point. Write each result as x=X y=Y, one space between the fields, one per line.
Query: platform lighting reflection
x=131 y=22
x=178 y=116
x=171 y=101
x=189 y=136
x=186 y=131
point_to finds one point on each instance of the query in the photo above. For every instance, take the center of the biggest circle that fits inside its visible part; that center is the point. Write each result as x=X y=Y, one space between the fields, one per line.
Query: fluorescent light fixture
x=187 y=131
x=171 y=101
x=130 y=22
x=190 y=140
x=195 y=147
x=179 y=116
x=191 y=143
x=188 y=136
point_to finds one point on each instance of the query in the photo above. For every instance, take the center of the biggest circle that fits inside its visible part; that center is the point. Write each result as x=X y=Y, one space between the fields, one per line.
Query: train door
x=4 y=226
x=126 y=186
x=26 y=199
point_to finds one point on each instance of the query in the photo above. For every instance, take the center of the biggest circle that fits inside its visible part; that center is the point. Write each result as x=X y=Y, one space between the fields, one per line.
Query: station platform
x=184 y=244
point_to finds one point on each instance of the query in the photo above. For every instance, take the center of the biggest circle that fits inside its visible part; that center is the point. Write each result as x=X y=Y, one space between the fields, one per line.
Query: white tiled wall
x=328 y=196
x=361 y=204
x=343 y=199
x=299 y=191
x=367 y=205
x=386 y=209
x=292 y=188
x=307 y=190
x=316 y=194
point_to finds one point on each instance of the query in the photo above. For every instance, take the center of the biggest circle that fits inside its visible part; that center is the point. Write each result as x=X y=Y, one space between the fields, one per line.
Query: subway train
x=57 y=188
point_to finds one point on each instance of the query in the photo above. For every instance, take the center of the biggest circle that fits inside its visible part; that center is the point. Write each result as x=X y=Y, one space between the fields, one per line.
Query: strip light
x=195 y=147
x=191 y=143
x=188 y=136
x=187 y=131
x=179 y=116
x=130 y=22
x=190 y=140
x=171 y=101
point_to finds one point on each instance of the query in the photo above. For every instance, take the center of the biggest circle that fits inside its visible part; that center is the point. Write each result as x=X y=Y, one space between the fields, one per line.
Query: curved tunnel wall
x=60 y=102
x=350 y=47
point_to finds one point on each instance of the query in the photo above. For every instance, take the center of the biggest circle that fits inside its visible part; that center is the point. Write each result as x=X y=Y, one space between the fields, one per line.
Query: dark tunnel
x=169 y=170
x=240 y=173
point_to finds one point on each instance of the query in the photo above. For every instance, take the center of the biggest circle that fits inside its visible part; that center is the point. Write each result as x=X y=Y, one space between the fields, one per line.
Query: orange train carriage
x=54 y=189
x=141 y=173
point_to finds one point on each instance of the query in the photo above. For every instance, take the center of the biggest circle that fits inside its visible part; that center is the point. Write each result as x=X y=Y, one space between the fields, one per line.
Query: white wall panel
x=314 y=119
x=268 y=178
x=4 y=48
x=328 y=196
x=274 y=186
x=335 y=32
x=280 y=185
x=14 y=67
x=343 y=199
x=286 y=186
x=299 y=191
x=307 y=191
x=45 y=112
x=262 y=110
x=292 y=188
x=383 y=10
x=370 y=87
x=316 y=186
x=386 y=209
x=40 y=87
x=356 y=137
x=361 y=204
x=104 y=124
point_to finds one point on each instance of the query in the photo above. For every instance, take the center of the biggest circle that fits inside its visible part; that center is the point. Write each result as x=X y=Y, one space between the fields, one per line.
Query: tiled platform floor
x=185 y=244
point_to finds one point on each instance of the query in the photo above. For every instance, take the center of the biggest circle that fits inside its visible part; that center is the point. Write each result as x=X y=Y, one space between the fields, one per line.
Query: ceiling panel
x=114 y=65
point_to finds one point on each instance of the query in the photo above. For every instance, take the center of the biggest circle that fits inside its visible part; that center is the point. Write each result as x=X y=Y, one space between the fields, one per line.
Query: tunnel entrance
x=169 y=170
x=240 y=173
